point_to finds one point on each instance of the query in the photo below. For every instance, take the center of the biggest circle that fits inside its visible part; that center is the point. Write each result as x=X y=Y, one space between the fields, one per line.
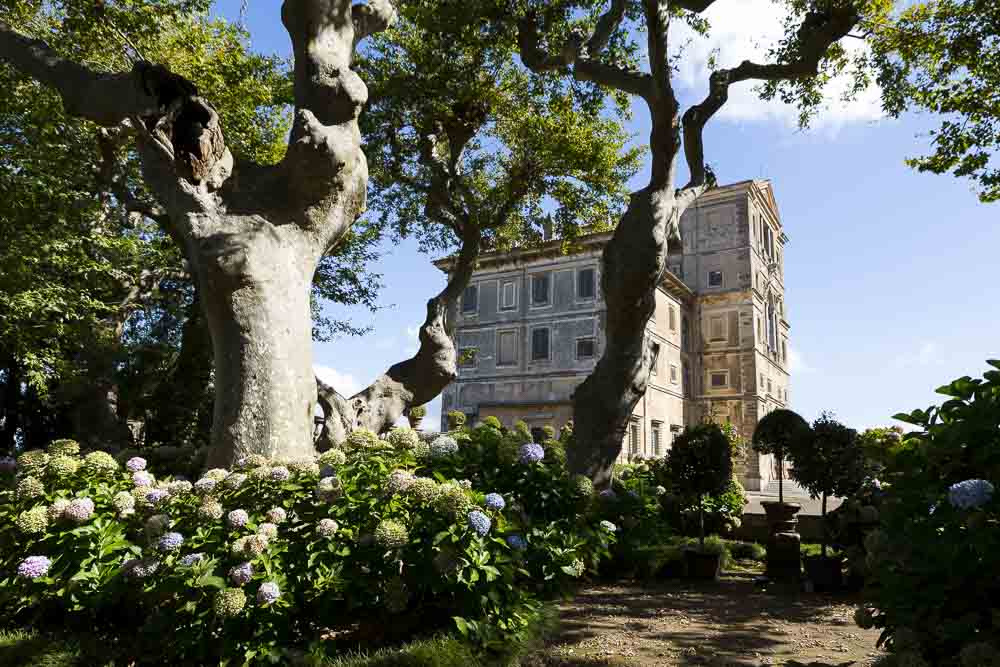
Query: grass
x=27 y=648
x=434 y=652
x=812 y=549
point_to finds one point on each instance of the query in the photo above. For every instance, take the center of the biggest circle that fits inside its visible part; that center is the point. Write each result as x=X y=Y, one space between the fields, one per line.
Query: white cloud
x=796 y=364
x=413 y=332
x=746 y=30
x=928 y=354
x=345 y=383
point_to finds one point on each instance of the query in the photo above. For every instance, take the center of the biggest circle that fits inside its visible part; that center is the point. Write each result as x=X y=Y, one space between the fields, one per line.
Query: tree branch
x=372 y=17
x=104 y=98
x=422 y=377
x=606 y=26
x=571 y=55
x=815 y=36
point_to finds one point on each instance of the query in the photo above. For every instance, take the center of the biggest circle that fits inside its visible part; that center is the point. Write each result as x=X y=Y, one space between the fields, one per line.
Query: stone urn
x=784 y=558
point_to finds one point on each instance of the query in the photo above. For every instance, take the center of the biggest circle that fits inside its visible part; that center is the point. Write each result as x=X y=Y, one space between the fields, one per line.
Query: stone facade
x=529 y=328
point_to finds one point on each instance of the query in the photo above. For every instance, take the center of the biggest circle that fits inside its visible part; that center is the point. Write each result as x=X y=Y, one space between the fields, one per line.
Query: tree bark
x=255 y=289
x=414 y=381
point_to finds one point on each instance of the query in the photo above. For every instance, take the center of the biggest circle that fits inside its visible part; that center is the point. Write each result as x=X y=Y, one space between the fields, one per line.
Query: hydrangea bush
x=253 y=556
x=932 y=562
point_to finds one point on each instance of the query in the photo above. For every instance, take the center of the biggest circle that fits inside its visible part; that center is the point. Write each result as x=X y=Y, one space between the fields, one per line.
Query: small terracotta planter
x=702 y=566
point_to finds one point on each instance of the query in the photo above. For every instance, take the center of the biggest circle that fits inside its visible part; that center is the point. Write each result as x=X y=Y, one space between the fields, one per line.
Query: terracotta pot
x=825 y=573
x=701 y=565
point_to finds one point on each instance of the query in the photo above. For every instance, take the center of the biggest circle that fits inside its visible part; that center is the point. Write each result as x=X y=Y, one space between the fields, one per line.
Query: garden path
x=728 y=623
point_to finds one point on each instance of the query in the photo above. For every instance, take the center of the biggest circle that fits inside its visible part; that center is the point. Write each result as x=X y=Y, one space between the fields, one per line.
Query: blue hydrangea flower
x=204 y=486
x=327 y=527
x=135 y=464
x=237 y=518
x=157 y=496
x=8 y=464
x=276 y=515
x=516 y=542
x=241 y=574
x=443 y=446
x=170 y=542
x=608 y=494
x=970 y=494
x=140 y=568
x=79 y=510
x=268 y=593
x=33 y=567
x=280 y=473
x=191 y=559
x=531 y=453
x=495 y=502
x=479 y=522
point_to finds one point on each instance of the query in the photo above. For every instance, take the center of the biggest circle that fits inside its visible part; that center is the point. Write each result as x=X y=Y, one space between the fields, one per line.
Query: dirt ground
x=726 y=623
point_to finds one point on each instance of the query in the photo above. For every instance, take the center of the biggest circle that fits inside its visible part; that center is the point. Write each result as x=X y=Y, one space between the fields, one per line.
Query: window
x=715 y=278
x=506 y=348
x=539 y=344
x=761 y=380
x=784 y=350
x=769 y=390
x=586 y=284
x=673 y=374
x=654 y=358
x=718 y=379
x=508 y=295
x=470 y=300
x=655 y=433
x=672 y=319
x=467 y=357
x=686 y=387
x=540 y=289
x=684 y=333
x=717 y=327
x=634 y=437
x=586 y=348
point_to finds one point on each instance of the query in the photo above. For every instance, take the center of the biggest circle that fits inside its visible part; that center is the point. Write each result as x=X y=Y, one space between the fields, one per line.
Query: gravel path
x=722 y=624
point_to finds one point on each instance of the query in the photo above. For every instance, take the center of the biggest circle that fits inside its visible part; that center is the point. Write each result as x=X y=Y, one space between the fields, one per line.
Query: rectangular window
x=540 y=289
x=586 y=286
x=539 y=344
x=506 y=348
x=654 y=361
x=586 y=348
x=672 y=319
x=718 y=379
x=761 y=380
x=467 y=357
x=717 y=327
x=634 y=437
x=769 y=390
x=655 y=433
x=470 y=300
x=784 y=350
x=673 y=374
x=508 y=296
x=715 y=278
x=684 y=333
x=686 y=387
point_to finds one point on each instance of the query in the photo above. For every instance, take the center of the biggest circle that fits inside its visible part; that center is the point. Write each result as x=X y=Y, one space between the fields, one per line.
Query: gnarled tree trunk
x=252 y=234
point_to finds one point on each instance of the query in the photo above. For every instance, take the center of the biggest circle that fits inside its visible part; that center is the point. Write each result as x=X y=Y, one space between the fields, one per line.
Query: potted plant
x=831 y=463
x=456 y=420
x=415 y=415
x=777 y=433
x=701 y=464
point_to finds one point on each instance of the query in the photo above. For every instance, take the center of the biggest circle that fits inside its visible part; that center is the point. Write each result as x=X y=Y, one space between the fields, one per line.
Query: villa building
x=529 y=328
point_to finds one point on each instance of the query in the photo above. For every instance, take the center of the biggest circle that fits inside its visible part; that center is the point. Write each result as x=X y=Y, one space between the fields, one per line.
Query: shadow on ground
x=725 y=623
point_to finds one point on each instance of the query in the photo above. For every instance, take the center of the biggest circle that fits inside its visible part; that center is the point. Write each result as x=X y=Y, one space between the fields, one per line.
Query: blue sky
x=891 y=282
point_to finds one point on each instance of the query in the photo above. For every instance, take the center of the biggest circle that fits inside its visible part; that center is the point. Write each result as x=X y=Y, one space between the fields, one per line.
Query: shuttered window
x=540 y=289
x=507 y=348
x=470 y=299
x=585 y=284
x=539 y=344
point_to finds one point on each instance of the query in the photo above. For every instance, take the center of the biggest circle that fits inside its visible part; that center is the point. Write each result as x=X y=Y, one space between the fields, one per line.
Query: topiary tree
x=416 y=414
x=832 y=463
x=778 y=433
x=701 y=464
x=456 y=420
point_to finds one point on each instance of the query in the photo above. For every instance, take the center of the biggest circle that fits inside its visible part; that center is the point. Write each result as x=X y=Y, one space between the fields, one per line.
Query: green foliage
x=700 y=461
x=504 y=152
x=456 y=420
x=933 y=564
x=417 y=412
x=747 y=551
x=943 y=56
x=383 y=536
x=780 y=432
x=831 y=463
